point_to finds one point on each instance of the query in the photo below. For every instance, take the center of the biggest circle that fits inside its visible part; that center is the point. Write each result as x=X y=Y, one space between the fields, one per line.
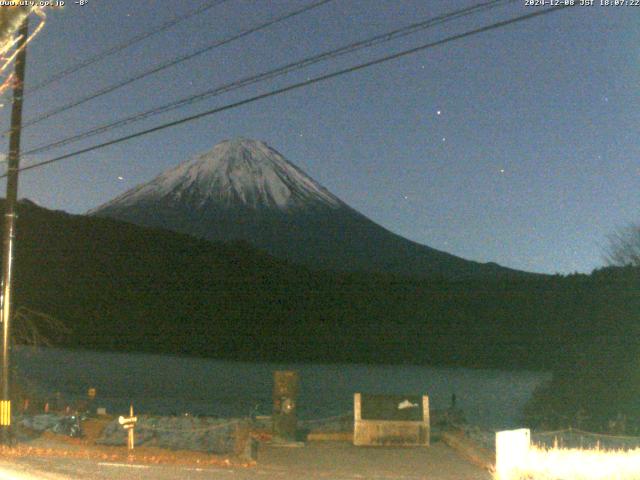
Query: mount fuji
x=244 y=190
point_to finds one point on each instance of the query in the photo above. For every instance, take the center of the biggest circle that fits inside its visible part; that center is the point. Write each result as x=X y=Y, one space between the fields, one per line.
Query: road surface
x=314 y=461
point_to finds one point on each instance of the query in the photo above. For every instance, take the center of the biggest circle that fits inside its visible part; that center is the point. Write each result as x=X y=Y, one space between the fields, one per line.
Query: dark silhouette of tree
x=623 y=248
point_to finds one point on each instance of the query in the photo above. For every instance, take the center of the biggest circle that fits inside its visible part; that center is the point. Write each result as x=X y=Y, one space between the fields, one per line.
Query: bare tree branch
x=624 y=247
x=36 y=328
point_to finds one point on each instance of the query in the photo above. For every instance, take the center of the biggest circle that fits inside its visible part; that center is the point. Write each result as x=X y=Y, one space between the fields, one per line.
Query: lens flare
x=11 y=17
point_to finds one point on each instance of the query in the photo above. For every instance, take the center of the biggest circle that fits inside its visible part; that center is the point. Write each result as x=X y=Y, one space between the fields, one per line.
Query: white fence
x=517 y=458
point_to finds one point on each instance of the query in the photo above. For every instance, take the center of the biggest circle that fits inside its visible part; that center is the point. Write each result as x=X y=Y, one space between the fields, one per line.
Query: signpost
x=129 y=424
x=399 y=420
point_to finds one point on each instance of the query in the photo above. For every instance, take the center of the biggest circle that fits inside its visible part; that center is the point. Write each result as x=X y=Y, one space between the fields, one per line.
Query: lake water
x=160 y=384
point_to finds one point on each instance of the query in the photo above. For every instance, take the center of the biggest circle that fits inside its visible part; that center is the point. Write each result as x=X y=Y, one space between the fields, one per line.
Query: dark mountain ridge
x=127 y=288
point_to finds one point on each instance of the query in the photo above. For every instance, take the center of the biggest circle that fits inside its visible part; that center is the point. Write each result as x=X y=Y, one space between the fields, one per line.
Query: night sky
x=518 y=146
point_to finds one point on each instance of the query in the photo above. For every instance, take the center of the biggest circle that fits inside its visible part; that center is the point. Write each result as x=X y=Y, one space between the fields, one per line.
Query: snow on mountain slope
x=241 y=171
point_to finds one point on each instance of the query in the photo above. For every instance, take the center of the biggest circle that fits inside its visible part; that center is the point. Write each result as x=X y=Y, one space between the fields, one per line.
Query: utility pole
x=9 y=227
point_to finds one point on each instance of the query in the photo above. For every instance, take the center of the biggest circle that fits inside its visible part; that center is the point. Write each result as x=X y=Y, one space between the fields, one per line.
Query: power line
x=173 y=62
x=271 y=74
x=295 y=86
x=122 y=46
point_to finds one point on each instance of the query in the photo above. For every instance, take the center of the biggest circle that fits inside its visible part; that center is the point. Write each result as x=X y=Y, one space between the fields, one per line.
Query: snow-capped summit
x=239 y=172
x=245 y=190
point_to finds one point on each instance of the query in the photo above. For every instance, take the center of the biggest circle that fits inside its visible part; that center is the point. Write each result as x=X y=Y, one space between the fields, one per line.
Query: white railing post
x=512 y=448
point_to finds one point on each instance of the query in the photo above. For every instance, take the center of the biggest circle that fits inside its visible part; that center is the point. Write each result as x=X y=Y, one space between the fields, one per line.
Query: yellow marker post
x=5 y=413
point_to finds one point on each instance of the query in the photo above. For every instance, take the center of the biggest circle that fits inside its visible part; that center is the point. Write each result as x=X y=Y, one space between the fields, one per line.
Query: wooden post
x=357 y=407
x=426 y=419
x=131 y=438
x=129 y=424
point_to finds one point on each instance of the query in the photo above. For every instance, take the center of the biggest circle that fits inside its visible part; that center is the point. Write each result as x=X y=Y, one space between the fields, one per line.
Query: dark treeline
x=125 y=288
